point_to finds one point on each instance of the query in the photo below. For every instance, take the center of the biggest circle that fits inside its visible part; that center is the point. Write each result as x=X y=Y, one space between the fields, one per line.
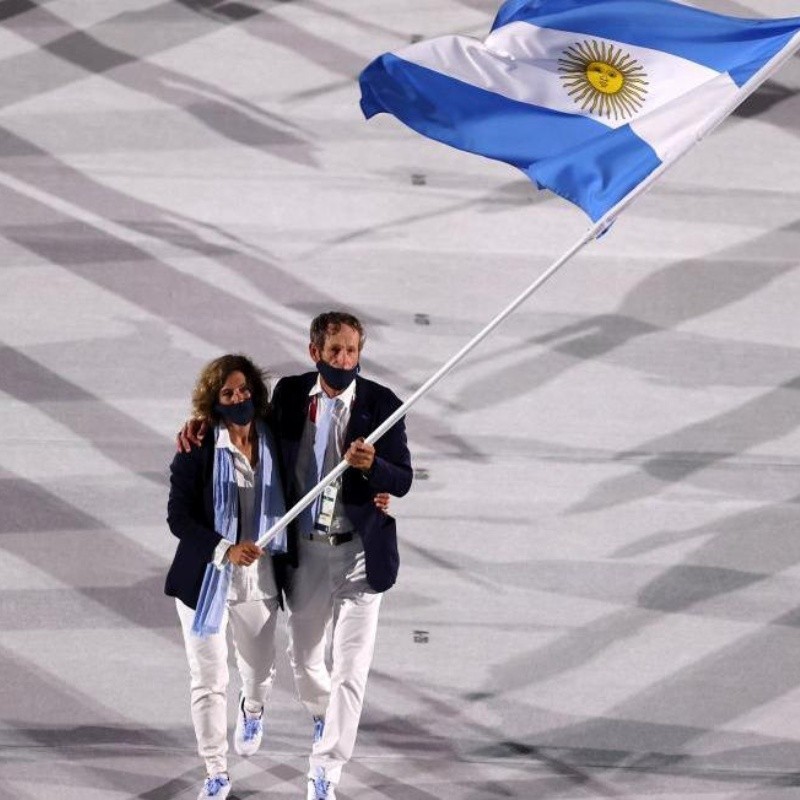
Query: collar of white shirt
x=347 y=396
x=224 y=441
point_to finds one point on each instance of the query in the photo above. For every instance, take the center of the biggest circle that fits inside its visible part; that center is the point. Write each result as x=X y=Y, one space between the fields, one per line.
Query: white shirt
x=256 y=582
x=340 y=522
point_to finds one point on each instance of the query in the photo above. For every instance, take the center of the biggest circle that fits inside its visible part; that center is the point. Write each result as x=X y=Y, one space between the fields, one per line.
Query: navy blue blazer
x=391 y=471
x=190 y=516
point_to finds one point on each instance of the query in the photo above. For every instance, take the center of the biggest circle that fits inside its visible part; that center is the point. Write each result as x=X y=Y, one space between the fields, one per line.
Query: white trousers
x=253 y=628
x=333 y=619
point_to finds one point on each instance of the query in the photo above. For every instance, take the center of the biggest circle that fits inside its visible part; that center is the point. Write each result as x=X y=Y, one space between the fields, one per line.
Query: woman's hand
x=382 y=500
x=244 y=553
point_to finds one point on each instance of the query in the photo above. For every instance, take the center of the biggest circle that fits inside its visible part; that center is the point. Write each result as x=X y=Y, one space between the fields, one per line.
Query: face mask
x=335 y=377
x=237 y=413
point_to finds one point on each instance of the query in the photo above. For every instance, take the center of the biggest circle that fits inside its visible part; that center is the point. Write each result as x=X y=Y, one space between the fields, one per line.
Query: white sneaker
x=249 y=730
x=216 y=787
x=319 y=788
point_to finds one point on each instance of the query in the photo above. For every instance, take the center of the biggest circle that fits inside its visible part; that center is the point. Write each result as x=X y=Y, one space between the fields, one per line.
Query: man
x=346 y=546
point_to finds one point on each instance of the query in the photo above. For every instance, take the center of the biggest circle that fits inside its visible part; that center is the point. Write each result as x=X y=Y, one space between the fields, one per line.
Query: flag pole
x=308 y=498
x=592 y=233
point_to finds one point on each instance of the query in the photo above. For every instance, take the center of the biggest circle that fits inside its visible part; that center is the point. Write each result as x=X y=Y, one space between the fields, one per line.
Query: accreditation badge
x=326 y=507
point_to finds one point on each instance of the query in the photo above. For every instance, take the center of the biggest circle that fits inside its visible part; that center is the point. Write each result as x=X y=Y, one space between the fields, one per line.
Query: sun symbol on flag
x=603 y=79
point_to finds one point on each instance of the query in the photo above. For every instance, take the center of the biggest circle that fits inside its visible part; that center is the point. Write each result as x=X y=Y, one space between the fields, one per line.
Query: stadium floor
x=599 y=594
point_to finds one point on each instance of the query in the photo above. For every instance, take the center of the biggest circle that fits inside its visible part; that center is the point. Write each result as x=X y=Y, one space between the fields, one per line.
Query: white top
x=256 y=582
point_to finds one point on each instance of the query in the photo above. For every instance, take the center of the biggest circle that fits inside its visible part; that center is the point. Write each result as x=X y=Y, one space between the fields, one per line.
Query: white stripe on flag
x=520 y=61
x=675 y=125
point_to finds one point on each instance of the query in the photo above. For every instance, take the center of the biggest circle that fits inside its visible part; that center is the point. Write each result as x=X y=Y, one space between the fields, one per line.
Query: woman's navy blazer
x=190 y=516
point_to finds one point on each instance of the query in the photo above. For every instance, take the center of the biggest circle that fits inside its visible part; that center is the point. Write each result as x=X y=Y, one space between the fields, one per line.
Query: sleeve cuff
x=221 y=554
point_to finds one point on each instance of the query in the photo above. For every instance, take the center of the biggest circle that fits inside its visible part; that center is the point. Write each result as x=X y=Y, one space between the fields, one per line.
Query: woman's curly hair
x=212 y=378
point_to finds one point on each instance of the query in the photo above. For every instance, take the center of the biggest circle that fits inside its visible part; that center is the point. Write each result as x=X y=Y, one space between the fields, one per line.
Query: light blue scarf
x=269 y=508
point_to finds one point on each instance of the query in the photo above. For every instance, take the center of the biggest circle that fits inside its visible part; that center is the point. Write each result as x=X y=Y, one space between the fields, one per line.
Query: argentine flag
x=587 y=97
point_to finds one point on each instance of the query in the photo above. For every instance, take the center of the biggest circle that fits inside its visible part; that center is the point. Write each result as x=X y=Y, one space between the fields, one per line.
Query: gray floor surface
x=600 y=588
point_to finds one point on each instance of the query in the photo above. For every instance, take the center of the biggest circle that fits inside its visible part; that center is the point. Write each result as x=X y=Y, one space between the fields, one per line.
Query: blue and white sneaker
x=216 y=787
x=319 y=728
x=249 y=731
x=319 y=788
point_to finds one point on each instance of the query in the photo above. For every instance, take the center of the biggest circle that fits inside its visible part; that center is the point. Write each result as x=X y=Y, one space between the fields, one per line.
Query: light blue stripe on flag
x=582 y=160
x=734 y=45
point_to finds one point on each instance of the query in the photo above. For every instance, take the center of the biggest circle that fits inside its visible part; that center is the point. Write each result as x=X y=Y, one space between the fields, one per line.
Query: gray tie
x=328 y=417
x=332 y=454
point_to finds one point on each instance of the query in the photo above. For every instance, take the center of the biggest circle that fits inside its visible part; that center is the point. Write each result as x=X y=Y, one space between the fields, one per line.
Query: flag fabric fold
x=587 y=97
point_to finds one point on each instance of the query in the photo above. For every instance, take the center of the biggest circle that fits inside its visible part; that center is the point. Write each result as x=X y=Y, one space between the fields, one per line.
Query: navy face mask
x=237 y=413
x=336 y=377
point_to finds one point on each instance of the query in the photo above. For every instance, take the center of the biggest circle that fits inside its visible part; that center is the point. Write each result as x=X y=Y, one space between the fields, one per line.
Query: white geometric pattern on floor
x=600 y=571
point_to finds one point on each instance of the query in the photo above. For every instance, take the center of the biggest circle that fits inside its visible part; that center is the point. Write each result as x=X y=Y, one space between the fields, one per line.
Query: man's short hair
x=330 y=322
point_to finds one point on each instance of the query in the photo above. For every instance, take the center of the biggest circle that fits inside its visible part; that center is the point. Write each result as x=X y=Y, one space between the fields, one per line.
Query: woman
x=223 y=496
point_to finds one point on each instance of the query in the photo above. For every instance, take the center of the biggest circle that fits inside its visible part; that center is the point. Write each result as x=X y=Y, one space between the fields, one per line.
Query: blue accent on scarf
x=269 y=508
